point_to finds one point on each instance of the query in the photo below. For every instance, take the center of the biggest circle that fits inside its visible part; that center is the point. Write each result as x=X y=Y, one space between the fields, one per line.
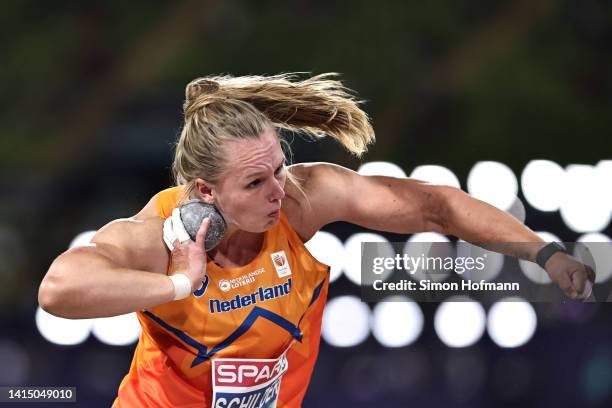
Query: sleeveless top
x=248 y=337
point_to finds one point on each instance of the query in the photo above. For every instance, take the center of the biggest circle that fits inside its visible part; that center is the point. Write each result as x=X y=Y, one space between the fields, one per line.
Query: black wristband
x=547 y=251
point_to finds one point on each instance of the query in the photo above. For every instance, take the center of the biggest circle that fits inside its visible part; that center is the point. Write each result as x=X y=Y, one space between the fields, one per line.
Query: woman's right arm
x=122 y=271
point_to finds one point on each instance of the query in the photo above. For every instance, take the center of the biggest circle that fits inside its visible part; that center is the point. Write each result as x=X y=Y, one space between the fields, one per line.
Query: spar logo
x=247 y=382
x=248 y=373
x=281 y=264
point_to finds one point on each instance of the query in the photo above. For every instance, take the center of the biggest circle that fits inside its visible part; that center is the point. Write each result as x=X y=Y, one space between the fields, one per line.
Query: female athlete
x=239 y=325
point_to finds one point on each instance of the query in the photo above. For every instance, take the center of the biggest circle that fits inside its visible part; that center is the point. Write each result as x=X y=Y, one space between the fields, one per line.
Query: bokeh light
x=511 y=322
x=494 y=183
x=381 y=168
x=397 y=322
x=429 y=244
x=352 y=253
x=66 y=332
x=119 y=330
x=82 y=239
x=600 y=247
x=532 y=270
x=346 y=321
x=436 y=175
x=584 y=207
x=328 y=249
x=459 y=323
x=542 y=182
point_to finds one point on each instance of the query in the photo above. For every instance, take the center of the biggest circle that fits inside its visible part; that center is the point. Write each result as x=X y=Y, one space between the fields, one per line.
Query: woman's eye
x=253 y=183
x=280 y=168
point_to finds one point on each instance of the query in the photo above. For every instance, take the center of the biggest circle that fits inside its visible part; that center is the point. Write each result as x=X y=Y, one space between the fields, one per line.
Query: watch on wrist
x=547 y=251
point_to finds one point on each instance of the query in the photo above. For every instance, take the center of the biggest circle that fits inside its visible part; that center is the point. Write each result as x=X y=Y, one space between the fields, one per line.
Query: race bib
x=247 y=383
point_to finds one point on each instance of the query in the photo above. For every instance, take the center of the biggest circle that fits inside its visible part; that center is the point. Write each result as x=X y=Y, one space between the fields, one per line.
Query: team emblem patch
x=281 y=264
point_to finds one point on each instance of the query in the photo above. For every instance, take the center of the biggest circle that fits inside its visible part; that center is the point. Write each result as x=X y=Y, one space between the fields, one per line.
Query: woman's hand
x=572 y=276
x=188 y=257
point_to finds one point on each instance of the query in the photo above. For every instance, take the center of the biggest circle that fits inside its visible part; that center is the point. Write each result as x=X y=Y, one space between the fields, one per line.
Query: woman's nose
x=277 y=193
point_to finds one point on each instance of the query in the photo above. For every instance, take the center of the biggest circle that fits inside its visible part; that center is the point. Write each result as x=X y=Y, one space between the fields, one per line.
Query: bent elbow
x=49 y=297
x=440 y=208
x=52 y=292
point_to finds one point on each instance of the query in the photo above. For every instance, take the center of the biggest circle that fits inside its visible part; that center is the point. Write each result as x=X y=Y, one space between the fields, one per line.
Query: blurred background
x=510 y=100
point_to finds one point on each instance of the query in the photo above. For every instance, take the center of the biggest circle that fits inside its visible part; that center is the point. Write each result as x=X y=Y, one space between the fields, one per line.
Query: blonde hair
x=223 y=108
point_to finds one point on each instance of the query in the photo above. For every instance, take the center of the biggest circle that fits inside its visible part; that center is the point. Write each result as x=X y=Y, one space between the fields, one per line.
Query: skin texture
x=252 y=186
x=124 y=269
x=249 y=196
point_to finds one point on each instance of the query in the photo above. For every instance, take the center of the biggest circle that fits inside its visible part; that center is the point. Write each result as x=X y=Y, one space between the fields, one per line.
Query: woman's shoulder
x=135 y=243
x=303 y=195
x=137 y=240
x=161 y=204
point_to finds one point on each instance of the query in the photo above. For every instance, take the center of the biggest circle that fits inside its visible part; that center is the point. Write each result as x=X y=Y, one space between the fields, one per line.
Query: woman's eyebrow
x=257 y=173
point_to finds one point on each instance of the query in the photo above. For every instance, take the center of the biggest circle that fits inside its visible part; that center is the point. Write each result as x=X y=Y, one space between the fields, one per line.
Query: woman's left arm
x=408 y=206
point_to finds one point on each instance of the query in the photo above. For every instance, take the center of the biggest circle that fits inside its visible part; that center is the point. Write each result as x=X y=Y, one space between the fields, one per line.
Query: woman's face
x=251 y=188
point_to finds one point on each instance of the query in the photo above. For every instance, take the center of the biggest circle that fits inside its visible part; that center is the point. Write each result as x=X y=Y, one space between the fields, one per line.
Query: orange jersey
x=248 y=337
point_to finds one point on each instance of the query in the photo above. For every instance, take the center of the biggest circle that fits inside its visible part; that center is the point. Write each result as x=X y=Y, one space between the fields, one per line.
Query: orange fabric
x=172 y=361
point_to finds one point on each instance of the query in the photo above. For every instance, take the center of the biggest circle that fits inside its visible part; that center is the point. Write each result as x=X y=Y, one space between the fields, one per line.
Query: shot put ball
x=193 y=213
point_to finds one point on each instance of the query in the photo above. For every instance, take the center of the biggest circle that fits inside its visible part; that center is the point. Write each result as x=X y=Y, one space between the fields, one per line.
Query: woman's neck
x=237 y=248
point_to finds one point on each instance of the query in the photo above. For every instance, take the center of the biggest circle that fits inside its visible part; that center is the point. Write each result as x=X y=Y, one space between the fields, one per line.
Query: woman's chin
x=262 y=227
x=269 y=223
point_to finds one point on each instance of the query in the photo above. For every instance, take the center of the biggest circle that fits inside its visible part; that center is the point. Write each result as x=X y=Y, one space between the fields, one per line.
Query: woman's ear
x=204 y=190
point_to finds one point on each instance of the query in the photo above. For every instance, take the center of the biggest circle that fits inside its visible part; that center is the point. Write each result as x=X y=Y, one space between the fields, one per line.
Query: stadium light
x=346 y=321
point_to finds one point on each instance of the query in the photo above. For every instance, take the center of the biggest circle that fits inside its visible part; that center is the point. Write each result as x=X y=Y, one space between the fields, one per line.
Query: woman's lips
x=274 y=213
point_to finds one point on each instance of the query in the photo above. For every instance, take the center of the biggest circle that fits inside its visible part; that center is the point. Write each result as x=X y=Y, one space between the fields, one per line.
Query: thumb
x=581 y=284
x=201 y=235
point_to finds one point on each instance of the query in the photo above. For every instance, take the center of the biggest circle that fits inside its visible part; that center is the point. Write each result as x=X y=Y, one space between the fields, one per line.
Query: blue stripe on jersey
x=204 y=355
x=178 y=333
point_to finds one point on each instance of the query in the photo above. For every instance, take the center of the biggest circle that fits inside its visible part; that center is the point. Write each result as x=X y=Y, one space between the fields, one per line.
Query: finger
x=201 y=235
x=168 y=234
x=591 y=274
x=566 y=285
x=178 y=227
x=176 y=244
x=579 y=278
x=588 y=291
x=589 y=280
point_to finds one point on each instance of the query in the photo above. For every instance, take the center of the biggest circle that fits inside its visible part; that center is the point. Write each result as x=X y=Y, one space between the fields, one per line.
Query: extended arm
x=409 y=206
